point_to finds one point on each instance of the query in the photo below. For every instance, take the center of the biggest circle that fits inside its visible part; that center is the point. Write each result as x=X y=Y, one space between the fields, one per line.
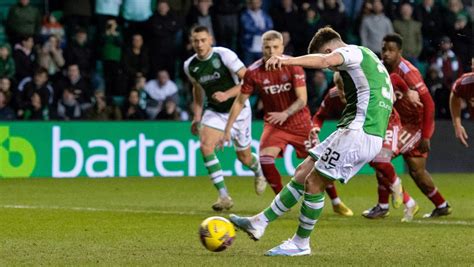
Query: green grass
x=155 y=221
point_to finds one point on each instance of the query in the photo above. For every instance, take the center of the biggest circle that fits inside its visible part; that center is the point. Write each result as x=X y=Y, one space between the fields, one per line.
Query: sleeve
x=248 y=85
x=428 y=114
x=298 y=77
x=398 y=83
x=352 y=56
x=230 y=59
x=186 y=70
x=414 y=80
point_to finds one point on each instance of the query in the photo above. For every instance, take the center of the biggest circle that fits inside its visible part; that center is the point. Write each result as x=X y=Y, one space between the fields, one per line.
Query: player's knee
x=207 y=148
x=416 y=173
x=245 y=158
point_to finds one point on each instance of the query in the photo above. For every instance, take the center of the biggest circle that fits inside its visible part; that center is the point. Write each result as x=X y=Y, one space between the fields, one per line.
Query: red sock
x=383 y=190
x=386 y=169
x=406 y=196
x=436 y=197
x=271 y=173
x=331 y=190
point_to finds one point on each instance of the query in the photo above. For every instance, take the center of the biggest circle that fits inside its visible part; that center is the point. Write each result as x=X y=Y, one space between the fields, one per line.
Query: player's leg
x=241 y=136
x=337 y=205
x=288 y=197
x=267 y=161
x=209 y=138
x=424 y=181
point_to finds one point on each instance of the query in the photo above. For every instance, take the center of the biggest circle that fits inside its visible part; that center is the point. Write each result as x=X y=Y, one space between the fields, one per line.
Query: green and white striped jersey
x=215 y=73
x=368 y=91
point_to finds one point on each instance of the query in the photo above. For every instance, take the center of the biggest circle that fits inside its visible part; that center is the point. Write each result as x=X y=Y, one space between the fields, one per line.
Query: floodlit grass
x=155 y=222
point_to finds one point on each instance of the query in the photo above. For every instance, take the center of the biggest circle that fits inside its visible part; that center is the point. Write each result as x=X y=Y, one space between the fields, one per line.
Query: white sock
x=300 y=241
x=336 y=201
x=384 y=206
x=223 y=192
x=410 y=203
x=443 y=205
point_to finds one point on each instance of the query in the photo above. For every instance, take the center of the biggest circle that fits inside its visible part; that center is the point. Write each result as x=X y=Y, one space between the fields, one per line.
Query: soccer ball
x=216 y=233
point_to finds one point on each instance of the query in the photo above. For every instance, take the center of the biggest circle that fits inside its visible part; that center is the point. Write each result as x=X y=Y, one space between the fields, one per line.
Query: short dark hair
x=199 y=28
x=322 y=37
x=41 y=70
x=394 y=37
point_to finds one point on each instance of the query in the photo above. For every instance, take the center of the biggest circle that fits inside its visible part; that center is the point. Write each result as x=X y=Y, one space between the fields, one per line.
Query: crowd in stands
x=122 y=59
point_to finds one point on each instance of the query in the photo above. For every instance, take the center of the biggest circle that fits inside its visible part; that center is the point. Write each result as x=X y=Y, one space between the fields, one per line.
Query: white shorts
x=344 y=153
x=241 y=130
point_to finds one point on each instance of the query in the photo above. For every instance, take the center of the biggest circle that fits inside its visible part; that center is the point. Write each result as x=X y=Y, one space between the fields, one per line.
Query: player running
x=216 y=71
x=287 y=118
x=331 y=108
x=417 y=122
x=463 y=88
x=357 y=140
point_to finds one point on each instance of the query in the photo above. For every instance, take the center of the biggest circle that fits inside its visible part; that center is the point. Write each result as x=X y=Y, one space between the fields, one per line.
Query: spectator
x=139 y=86
x=81 y=86
x=289 y=47
x=51 y=26
x=101 y=111
x=429 y=14
x=38 y=84
x=227 y=22
x=111 y=57
x=463 y=42
x=104 y=11
x=447 y=63
x=312 y=24
x=135 y=59
x=287 y=18
x=333 y=14
x=76 y=15
x=158 y=91
x=136 y=14
x=78 y=52
x=254 y=22
x=374 y=27
x=24 y=58
x=68 y=107
x=6 y=112
x=23 y=19
x=439 y=92
x=164 y=26
x=317 y=87
x=36 y=110
x=7 y=64
x=455 y=8
x=201 y=14
x=6 y=88
x=169 y=112
x=132 y=110
x=410 y=30
x=50 y=56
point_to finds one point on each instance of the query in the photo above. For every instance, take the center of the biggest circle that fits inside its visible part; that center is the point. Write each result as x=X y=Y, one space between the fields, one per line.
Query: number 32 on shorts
x=330 y=156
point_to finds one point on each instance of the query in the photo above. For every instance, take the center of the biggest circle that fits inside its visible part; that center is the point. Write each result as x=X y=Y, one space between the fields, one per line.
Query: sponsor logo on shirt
x=277 y=88
x=209 y=78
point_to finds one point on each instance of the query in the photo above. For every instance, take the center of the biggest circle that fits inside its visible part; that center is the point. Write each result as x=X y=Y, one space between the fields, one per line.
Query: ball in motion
x=216 y=233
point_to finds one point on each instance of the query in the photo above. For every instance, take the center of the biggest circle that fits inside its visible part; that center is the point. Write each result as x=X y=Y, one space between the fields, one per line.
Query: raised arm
x=312 y=61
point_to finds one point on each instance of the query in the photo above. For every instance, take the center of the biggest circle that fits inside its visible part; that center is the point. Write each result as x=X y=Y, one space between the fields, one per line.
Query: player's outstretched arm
x=312 y=61
x=198 y=101
x=237 y=107
x=455 y=108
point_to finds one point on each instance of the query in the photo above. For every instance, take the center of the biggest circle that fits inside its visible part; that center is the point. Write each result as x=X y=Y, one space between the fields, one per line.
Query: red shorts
x=409 y=140
x=390 y=143
x=275 y=137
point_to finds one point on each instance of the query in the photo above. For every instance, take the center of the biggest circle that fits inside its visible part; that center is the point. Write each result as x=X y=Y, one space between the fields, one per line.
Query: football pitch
x=155 y=221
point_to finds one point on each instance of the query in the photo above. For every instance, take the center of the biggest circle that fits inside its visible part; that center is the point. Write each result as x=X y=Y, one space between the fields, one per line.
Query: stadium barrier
x=119 y=149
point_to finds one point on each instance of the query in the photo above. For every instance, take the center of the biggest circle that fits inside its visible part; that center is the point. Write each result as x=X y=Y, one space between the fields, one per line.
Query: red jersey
x=277 y=91
x=464 y=88
x=331 y=108
x=422 y=117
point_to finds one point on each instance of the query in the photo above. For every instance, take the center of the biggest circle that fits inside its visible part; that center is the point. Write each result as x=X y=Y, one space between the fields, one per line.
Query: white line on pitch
x=138 y=211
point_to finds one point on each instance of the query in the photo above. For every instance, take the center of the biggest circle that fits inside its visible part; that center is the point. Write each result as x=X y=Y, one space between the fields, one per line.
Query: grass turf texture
x=155 y=222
